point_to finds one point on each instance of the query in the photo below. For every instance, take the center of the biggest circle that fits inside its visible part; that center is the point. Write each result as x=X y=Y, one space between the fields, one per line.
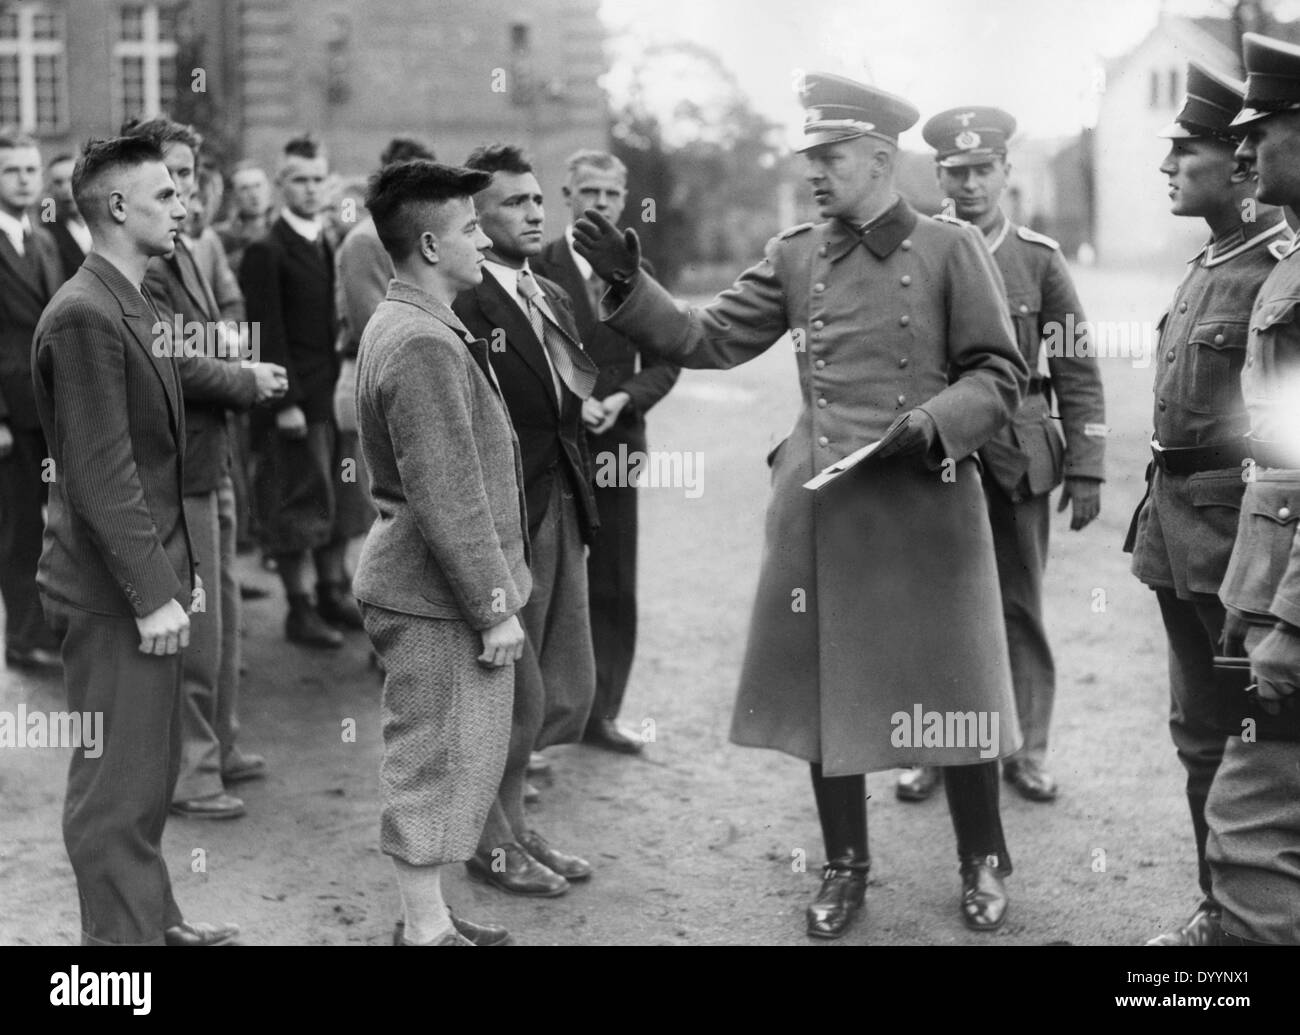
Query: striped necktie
x=571 y=364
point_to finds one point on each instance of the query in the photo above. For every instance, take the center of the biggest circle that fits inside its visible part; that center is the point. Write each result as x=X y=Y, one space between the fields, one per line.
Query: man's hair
x=246 y=165
x=593 y=159
x=100 y=157
x=163 y=132
x=404 y=149
x=495 y=158
x=62 y=156
x=304 y=146
x=14 y=138
x=399 y=197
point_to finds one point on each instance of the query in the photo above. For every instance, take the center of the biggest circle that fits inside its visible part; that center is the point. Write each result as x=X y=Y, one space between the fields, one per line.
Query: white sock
x=427 y=918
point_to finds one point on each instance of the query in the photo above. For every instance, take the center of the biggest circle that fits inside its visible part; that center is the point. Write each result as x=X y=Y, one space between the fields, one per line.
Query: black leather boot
x=981 y=845
x=842 y=809
x=335 y=604
x=983 y=895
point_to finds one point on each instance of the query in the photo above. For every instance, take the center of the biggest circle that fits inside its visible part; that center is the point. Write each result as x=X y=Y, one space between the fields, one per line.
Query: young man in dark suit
x=287 y=278
x=68 y=228
x=545 y=376
x=117 y=571
x=629 y=383
x=29 y=276
x=212 y=386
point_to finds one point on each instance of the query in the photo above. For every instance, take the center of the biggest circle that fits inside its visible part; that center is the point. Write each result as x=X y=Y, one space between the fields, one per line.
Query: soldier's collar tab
x=881 y=237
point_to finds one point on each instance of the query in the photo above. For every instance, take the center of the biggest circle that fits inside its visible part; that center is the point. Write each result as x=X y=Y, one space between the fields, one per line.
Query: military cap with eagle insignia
x=1272 y=78
x=969 y=136
x=838 y=109
x=1213 y=100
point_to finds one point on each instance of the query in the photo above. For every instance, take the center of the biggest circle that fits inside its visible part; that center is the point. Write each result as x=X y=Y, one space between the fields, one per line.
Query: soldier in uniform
x=1027 y=459
x=1182 y=533
x=877 y=598
x=1254 y=806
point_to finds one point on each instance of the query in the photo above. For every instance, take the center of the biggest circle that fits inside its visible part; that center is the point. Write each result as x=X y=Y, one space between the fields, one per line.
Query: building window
x=33 y=88
x=1155 y=89
x=144 y=61
x=1175 y=94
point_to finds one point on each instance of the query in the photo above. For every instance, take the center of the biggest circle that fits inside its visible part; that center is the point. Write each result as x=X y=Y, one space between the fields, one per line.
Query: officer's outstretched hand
x=614 y=254
x=1275 y=662
x=916 y=435
x=1085 y=494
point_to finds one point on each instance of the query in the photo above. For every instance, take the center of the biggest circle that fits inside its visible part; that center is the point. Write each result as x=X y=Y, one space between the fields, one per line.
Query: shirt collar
x=308 y=228
x=999 y=234
x=507 y=276
x=880 y=237
x=584 y=267
x=15 y=229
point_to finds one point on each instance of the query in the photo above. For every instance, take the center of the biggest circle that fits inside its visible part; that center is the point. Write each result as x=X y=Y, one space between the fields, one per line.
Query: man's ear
x=566 y=193
x=1006 y=168
x=117 y=206
x=429 y=248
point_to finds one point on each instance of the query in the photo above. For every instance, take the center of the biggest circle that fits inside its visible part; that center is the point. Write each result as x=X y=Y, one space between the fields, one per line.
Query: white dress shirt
x=508 y=278
x=308 y=228
x=14 y=229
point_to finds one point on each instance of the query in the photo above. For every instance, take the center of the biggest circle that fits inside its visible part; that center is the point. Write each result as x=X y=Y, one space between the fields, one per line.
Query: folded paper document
x=829 y=474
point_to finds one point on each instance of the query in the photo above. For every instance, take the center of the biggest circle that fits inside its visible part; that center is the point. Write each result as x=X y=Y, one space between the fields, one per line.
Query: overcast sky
x=1037 y=58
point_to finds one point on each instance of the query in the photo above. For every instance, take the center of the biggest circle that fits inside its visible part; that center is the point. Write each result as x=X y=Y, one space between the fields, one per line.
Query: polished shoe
x=248 y=591
x=605 y=733
x=570 y=867
x=538 y=764
x=482 y=935
x=531 y=794
x=844 y=885
x=917 y=783
x=303 y=625
x=512 y=869
x=214 y=806
x=189 y=934
x=240 y=766
x=335 y=603
x=983 y=895
x=452 y=937
x=32 y=658
x=1203 y=928
x=1029 y=779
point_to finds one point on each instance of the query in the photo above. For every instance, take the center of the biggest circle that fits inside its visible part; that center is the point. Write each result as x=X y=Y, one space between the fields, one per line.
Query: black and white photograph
x=674 y=473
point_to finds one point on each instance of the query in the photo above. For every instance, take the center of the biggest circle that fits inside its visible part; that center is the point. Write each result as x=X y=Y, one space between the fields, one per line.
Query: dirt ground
x=697 y=842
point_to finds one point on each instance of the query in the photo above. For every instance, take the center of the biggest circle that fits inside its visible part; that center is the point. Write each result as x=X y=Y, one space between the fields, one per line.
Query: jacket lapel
x=182 y=261
x=21 y=270
x=501 y=311
x=569 y=277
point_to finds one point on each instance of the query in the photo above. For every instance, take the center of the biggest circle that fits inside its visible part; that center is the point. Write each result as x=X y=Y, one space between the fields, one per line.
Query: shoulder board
x=1025 y=234
x=795 y=230
x=1281 y=248
x=943 y=217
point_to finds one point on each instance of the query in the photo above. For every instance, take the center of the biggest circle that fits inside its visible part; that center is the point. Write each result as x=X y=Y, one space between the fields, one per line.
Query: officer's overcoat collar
x=884 y=235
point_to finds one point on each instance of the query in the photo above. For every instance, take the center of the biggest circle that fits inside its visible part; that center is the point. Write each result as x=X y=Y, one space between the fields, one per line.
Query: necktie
x=595 y=291
x=571 y=364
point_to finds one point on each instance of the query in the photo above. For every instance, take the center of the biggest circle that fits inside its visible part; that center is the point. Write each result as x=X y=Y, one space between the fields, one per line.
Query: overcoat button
x=1161 y=406
x=1024 y=308
x=903 y=362
x=906 y=279
x=902 y=399
x=820 y=364
x=1170 y=355
x=823 y=441
x=819 y=286
x=1218 y=339
x=822 y=403
x=1284 y=513
x=904 y=320
x=1183 y=308
x=907 y=245
x=818 y=325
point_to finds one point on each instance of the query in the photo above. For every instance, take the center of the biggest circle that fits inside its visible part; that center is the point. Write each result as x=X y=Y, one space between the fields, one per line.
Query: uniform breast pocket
x=1025 y=307
x=1218 y=349
x=1272 y=322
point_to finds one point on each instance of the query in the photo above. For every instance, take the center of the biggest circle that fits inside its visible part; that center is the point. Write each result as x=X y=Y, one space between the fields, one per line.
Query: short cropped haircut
x=404 y=149
x=62 y=156
x=163 y=132
x=304 y=146
x=399 y=197
x=495 y=158
x=593 y=159
x=12 y=139
x=100 y=157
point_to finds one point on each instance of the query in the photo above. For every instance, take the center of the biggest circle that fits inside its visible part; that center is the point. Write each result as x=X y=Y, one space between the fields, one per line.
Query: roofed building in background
x=252 y=73
x=1143 y=92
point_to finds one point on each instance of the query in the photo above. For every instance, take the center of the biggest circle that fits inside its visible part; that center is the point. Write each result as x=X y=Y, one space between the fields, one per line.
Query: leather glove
x=1085 y=494
x=614 y=255
x=1275 y=662
x=917 y=436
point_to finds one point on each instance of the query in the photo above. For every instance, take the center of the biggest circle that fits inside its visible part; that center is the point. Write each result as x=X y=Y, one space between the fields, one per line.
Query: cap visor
x=827 y=137
x=1248 y=115
x=980 y=157
x=1176 y=131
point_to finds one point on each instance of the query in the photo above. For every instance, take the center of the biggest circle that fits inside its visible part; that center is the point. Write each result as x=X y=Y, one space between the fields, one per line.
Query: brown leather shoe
x=1204 y=927
x=917 y=783
x=510 y=868
x=1029 y=779
x=200 y=934
x=844 y=886
x=570 y=867
x=983 y=895
x=214 y=806
x=482 y=935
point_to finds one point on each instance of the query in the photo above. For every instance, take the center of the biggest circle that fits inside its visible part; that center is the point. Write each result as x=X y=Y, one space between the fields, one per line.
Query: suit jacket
x=210 y=385
x=450 y=540
x=362 y=270
x=1030 y=456
x=645 y=376
x=116 y=542
x=288 y=285
x=551 y=437
x=70 y=254
x=22 y=298
x=211 y=259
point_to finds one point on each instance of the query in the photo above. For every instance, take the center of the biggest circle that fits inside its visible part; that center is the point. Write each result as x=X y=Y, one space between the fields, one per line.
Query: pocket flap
x=1274 y=312
x=1217 y=488
x=1220 y=334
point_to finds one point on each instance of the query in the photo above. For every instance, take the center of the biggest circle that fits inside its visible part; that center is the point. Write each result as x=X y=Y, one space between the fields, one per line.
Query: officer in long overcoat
x=877 y=618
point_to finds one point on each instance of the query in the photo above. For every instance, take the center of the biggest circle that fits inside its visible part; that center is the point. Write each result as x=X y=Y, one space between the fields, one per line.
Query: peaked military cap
x=969 y=136
x=1212 y=102
x=838 y=109
x=1272 y=78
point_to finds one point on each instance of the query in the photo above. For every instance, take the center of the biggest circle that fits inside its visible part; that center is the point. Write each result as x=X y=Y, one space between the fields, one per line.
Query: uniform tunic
x=877 y=594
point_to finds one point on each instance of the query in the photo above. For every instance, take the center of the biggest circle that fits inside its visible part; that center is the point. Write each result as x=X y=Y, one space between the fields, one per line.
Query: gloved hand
x=1275 y=662
x=614 y=255
x=1085 y=495
x=917 y=436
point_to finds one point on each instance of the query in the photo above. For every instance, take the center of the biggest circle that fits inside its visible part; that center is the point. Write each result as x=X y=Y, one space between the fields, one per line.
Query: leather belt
x=1183 y=460
x=1270 y=454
